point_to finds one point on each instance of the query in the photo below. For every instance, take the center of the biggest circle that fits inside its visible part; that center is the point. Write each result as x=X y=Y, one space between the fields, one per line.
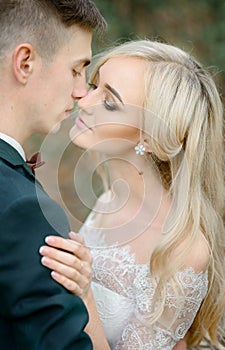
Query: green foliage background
x=197 y=26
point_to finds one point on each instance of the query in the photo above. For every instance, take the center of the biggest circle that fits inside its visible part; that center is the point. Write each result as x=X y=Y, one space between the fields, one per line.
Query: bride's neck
x=138 y=202
x=135 y=171
x=134 y=178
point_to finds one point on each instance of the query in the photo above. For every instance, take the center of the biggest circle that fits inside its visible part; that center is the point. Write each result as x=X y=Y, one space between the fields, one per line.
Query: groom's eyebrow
x=114 y=92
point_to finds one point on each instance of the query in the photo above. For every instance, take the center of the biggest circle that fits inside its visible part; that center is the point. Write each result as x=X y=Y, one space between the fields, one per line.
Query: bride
x=155 y=235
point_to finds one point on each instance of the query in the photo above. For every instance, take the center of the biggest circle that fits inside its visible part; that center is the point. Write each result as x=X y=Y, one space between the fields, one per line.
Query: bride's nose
x=87 y=102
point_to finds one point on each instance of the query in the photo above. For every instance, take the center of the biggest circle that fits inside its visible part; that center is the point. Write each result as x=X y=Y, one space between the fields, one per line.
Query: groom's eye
x=76 y=73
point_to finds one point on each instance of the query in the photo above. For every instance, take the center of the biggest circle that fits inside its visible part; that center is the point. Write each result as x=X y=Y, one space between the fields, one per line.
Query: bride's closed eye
x=108 y=101
x=110 y=104
x=92 y=86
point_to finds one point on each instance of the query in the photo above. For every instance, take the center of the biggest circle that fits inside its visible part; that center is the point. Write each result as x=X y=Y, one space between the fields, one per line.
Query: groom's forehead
x=78 y=46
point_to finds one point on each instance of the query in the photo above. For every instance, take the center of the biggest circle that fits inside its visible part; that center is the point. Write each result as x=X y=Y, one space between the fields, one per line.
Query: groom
x=45 y=46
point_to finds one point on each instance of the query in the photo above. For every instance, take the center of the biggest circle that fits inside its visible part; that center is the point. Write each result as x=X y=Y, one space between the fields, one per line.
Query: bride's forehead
x=117 y=67
x=126 y=75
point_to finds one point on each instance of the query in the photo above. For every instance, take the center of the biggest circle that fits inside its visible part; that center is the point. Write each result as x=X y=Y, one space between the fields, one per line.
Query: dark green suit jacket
x=36 y=313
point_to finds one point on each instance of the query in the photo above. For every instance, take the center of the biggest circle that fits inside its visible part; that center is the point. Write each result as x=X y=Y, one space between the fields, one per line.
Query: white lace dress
x=123 y=291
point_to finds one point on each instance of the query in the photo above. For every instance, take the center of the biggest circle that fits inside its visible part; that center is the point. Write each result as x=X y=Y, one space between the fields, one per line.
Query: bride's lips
x=81 y=124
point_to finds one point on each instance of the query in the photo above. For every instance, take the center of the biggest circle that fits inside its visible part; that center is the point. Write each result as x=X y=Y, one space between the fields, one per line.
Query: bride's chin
x=74 y=135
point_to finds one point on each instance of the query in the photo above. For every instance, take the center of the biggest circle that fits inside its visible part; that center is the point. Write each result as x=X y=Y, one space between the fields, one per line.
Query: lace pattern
x=124 y=292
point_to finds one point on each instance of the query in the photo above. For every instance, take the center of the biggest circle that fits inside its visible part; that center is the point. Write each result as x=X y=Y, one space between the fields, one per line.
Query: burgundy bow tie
x=35 y=162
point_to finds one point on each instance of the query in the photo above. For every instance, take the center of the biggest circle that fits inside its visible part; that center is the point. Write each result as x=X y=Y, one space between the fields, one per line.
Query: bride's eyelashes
x=108 y=102
x=92 y=86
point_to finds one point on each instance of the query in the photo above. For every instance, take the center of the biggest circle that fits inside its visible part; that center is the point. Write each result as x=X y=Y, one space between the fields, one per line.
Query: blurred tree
x=196 y=26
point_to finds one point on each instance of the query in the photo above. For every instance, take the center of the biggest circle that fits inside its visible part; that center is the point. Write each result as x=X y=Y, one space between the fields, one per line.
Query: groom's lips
x=81 y=124
x=68 y=111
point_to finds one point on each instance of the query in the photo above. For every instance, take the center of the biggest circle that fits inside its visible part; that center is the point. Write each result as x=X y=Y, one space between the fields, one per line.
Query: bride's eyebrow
x=114 y=92
x=109 y=87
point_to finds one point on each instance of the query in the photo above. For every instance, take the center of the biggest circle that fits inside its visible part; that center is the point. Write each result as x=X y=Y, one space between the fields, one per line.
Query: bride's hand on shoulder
x=70 y=261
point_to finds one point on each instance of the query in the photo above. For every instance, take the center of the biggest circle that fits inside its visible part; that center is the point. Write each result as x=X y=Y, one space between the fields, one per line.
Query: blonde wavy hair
x=187 y=145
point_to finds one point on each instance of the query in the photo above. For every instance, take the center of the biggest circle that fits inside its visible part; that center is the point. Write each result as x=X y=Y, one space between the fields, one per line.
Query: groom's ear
x=23 y=62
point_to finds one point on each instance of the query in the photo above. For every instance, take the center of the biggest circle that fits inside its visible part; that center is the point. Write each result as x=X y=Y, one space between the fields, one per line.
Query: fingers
x=75 y=280
x=70 y=263
x=70 y=285
x=66 y=259
x=77 y=249
x=76 y=237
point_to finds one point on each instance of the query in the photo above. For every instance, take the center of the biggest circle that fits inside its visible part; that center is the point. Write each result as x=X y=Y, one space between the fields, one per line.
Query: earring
x=140 y=149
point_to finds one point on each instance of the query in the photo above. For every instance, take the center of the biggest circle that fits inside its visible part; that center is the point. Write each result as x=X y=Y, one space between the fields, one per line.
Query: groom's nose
x=80 y=89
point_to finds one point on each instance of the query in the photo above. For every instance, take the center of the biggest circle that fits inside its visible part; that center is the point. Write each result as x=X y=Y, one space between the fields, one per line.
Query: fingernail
x=44 y=260
x=55 y=274
x=49 y=239
x=43 y=250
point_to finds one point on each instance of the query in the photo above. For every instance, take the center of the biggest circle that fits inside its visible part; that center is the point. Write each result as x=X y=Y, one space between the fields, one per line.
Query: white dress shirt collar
x=15 y=144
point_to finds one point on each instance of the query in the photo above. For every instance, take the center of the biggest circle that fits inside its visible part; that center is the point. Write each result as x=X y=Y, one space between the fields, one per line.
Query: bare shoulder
x=198 y=255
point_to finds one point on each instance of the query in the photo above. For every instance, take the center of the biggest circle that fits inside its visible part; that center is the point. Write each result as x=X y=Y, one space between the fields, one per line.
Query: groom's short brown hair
x=41 y=22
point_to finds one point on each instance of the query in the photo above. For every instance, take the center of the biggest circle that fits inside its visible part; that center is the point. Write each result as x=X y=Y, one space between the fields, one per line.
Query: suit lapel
x=8 y=153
